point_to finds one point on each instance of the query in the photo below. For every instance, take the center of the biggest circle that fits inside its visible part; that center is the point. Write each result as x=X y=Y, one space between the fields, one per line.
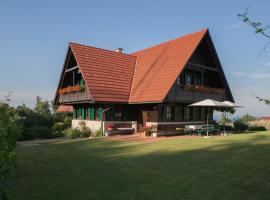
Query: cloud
x=234 y=26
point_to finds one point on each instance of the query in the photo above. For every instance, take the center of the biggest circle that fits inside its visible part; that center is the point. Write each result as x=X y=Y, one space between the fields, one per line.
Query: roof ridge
x=102 y=49
x=171 y=40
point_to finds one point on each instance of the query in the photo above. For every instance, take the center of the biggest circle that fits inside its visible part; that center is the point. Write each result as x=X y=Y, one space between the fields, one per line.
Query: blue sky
x=34 y=36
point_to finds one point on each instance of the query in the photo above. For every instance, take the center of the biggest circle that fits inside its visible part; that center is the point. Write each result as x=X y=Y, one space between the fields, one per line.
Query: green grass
x=232 y=167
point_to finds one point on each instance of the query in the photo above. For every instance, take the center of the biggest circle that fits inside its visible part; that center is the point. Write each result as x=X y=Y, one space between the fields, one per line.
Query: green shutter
x=99 y=113
x=83 y=113
x=74 y=113
x=93 y=113
x=89 y=111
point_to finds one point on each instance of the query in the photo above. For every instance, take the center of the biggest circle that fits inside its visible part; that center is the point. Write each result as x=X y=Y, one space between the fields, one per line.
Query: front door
x=143 y=119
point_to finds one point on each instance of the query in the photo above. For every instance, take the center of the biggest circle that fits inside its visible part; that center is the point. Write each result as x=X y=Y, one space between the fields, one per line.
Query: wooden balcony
x=185 y=94
x=74 y=97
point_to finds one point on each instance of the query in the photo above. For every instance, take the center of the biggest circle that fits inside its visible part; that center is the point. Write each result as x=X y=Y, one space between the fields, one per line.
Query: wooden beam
x=202 y=66
x=72 y=68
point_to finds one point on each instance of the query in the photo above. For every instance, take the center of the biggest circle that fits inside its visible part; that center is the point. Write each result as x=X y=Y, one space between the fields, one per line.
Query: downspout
x=102 y=120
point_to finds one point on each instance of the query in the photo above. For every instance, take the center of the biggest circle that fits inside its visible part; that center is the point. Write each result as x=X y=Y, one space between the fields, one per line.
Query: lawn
x=232 y=167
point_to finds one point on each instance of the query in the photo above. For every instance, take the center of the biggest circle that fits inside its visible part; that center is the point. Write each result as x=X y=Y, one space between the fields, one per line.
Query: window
x=188 y=114
x=182 y=79
x=189 y=79
x=167 y=113
x=118 y=114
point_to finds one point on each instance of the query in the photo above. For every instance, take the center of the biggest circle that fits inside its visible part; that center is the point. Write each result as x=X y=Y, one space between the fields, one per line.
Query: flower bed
x=69 y=89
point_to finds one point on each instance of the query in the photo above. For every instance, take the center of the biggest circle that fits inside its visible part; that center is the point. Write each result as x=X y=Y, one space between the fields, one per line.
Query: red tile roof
x=144 y=76
x=108 y=74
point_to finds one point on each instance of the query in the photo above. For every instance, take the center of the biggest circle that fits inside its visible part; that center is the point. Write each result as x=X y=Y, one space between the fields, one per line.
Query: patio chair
x=188 y=131
x=200 y=132
x=180 y=131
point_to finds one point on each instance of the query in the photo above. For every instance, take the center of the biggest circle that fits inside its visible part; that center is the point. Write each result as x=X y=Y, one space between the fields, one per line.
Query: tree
x=261 y=29
x=36 y=123
x=266 y=101
x=247 y=118
x=258 y=27
x=42 y=107
x=9 y=132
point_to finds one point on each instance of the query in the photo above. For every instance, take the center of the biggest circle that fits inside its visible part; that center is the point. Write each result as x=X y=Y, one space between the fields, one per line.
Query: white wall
x=96 y=125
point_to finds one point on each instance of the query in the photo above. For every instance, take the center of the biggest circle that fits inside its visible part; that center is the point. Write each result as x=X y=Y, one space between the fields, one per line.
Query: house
x=265 y=119
x=151 y=87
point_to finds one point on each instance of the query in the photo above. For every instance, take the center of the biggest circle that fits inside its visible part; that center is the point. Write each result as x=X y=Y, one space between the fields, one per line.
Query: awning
x=64 y=109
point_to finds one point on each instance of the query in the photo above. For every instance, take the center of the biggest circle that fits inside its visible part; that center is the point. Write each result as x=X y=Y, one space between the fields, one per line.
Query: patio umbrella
x=231 y=104
x=209 y=103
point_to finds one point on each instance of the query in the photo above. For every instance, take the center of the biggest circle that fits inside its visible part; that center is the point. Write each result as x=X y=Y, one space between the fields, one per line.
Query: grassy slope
x=233 y=167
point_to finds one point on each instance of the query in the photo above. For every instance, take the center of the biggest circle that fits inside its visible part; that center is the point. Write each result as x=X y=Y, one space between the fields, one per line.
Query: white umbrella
x=231 y=104
x=209 y=103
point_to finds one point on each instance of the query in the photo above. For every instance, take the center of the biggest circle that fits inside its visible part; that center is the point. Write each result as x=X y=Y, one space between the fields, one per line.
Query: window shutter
x=89 y=112
x=99 y=113
x=93 y=113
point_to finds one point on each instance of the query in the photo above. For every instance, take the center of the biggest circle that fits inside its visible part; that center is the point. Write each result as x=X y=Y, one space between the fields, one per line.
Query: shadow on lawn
x=98 y=169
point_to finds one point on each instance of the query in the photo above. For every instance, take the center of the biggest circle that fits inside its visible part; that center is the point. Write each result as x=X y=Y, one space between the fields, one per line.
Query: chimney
x=119 y=50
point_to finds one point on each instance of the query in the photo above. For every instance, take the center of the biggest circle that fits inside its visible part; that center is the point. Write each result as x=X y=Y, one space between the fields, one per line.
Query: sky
x=34 y=36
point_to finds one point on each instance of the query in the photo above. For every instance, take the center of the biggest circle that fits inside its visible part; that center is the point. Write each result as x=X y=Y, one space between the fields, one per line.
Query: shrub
x=34 y=124
x=68 y=121
x=98 y=133
x=257 y=128
x=229 y=128
x=85 y=131
x=40 y=132
x=73 y=133
x=59 y=127
x=240 y=126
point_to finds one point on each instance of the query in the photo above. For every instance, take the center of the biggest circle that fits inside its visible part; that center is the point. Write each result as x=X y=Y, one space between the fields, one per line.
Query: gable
x=70 y=78
x=158 y=67
x=203 y=68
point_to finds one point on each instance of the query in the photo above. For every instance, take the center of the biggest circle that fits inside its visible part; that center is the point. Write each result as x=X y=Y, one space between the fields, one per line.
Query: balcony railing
x=192 y=93
x=74 y=96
